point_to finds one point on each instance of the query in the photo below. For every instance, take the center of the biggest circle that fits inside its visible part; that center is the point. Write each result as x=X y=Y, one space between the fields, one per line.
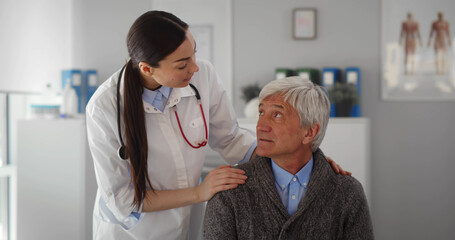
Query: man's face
x=278 y=129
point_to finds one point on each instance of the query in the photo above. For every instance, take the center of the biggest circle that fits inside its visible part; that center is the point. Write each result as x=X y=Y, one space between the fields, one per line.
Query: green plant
x=250 y=91
x=343 y=92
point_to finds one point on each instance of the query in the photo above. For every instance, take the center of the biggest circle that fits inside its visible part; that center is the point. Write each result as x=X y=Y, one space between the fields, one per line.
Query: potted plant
x=344 y=96
x=250 y=94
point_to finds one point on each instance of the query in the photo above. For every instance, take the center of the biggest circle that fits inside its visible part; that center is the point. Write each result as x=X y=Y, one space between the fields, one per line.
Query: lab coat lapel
x=177 y=94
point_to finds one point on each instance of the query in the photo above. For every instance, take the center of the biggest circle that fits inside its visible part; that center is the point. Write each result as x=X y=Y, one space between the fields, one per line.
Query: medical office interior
x=400 y=149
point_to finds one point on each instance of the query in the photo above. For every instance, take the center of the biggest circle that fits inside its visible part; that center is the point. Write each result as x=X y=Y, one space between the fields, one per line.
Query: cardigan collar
x=321 y=176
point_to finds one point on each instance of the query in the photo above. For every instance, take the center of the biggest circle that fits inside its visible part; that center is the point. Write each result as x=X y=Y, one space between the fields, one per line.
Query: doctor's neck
x=156 y=88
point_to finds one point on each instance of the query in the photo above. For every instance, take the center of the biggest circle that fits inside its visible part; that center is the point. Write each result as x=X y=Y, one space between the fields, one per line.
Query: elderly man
x=291 y=191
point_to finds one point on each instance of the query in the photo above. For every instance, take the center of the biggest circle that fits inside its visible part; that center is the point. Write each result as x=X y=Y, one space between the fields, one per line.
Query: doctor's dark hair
x=151 y=38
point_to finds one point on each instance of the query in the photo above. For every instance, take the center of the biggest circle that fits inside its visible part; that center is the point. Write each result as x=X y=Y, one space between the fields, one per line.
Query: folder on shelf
x=281 y=73
x=311 y=74
x=329 y=77
x=353 y=77
x=91 y=83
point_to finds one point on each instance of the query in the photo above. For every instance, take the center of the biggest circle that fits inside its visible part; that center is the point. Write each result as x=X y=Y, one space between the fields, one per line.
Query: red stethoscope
x=121 y=151
x=198 y=97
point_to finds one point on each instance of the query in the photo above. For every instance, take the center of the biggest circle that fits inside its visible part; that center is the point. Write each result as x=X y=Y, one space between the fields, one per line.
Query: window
x=13 y=106
x=4 y=208
x=4 y=212
x=3 y=129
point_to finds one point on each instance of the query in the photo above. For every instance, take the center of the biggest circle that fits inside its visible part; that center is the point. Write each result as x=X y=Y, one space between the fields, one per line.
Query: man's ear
x=310 y=133
x=146 y=69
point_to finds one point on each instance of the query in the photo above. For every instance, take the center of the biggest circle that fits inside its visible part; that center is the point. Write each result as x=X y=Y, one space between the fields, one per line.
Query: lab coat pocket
x=198 y=122
x=196 y=130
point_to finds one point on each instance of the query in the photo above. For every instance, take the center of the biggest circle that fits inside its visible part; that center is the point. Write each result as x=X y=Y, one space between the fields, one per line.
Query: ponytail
x=152 y=37
x=135 y=132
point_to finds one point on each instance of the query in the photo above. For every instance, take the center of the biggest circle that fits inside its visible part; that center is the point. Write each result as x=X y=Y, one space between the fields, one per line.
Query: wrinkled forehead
x=276 y=101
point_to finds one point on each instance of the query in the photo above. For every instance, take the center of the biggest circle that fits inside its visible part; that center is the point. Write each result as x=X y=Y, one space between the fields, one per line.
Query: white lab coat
x=172 y=163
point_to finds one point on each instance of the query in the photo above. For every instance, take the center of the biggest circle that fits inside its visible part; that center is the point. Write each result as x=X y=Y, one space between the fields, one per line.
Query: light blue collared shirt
x=157 y=98
x=292 y=188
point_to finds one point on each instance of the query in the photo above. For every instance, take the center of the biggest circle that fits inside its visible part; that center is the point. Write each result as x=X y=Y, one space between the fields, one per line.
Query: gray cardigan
x=334 y=207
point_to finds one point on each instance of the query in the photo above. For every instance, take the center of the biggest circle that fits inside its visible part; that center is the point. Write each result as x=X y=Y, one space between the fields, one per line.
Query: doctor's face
x=176 y=69
x=278 y=130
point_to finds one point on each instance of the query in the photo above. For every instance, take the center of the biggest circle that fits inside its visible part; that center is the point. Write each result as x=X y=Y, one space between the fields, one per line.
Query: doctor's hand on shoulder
x=220 y=179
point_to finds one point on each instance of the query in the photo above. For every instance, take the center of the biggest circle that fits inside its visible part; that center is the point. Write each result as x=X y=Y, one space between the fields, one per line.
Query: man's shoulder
x=347 y=186
x=250 y=165
x=252 y=172
x=349 y=183
x=350 y=190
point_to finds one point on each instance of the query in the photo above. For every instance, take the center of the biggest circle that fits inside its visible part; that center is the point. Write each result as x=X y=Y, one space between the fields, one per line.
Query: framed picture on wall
x=203 y=35
x=304 y=23
x=418 y=57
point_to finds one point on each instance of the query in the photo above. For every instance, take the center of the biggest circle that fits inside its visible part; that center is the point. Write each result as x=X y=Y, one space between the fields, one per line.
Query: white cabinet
x=347 y=141
x=56 y=185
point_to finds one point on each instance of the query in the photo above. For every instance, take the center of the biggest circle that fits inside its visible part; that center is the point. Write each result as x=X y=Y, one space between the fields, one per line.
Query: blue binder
x=329 y=77
x=353 y=77
x=92 y=83
x=74 y=77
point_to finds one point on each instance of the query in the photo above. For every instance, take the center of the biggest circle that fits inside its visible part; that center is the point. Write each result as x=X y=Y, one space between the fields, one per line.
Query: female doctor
x=148 y=126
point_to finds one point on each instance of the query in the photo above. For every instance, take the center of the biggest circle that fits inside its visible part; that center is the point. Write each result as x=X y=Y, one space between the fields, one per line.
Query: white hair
x=309 y=100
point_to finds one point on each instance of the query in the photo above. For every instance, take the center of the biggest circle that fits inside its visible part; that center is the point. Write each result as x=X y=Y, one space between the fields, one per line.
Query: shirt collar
x=173 y=97
x=283 y=177
x=149 y=95
x=165 y=91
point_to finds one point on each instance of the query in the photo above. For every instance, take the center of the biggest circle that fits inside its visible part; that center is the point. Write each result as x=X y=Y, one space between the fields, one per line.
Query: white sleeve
x=226 y=137
x=112 y=173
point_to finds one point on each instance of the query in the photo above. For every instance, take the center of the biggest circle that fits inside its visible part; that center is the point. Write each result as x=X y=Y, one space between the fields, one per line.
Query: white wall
x=35 y=43
x=216 y=14
x=99 y=29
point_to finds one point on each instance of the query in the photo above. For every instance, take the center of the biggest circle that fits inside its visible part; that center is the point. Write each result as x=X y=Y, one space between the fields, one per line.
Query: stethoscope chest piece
x=122 y=153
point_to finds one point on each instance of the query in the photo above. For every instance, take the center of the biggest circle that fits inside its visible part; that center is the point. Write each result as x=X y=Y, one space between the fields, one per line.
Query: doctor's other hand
x=220 y=179
x=337 y=168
